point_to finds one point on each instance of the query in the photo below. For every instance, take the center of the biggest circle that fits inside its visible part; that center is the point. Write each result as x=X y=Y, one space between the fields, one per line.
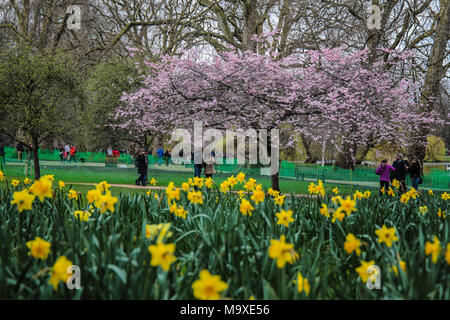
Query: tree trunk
x=309 y=157
x=275 y=181
x=363 y=154
x=37 y=168
x=345 y=158
x=275 y=178
x=250 y=16
x=435 y=72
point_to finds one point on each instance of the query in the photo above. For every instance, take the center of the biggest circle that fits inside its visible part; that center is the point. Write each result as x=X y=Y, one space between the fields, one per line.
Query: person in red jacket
x=73 y=152
x=116 y=153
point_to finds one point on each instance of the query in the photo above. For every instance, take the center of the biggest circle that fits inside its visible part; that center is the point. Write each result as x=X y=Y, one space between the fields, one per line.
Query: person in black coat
x=142 y=165
x=401 y=168
x=414 y=171
x=2 y=157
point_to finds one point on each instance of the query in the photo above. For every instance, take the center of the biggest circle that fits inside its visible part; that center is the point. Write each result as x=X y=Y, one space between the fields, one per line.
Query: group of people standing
x=164 y=155
x=67 y=153
x=398 y=171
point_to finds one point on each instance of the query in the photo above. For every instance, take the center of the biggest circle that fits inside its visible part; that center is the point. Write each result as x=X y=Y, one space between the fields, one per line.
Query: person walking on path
x=67 y=150
x=142 y=165
x=61 y=153
x=19 y=149
x=401 y=168
x=209 y=169
x=160 y=154
x=73 y=152
x=2 y=157
x=384 y=171
x=414 y=171
x=167 y=157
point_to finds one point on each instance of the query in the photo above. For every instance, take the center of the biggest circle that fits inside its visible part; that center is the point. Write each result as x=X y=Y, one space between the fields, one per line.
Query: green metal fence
x=361 y=176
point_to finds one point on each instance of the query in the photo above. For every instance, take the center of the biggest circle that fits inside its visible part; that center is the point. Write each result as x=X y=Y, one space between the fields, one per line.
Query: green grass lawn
x=128 y=176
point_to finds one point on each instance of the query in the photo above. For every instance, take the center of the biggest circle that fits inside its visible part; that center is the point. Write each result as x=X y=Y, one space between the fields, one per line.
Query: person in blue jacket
x=160 y=153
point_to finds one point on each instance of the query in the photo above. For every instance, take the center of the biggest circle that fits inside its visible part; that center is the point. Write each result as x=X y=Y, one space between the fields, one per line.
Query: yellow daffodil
x=302 y=284
x=430 y=192
x=232 y=181
x=195 y=197
x=391 y=192
x=358 y=195
x=362 y=270
x=367 y=194
x=324 y=210
x=224 y=186
x=284 y=217
x=72 y=194
x=281 y=251
x=250 y=184
x=15 y=182
x=23 y=199
x=336 y=199
x=27 y=181
x=404 y=198
x=103 y=187
x=153 y=182
x=402 y=265
x=198 y=182
x=185 y=186
x=39 y=248
x=433 y=248
x=279 y=200
x=257 y=196
x=59 y=271
x=82 y=215
x=93 y=195
x=396 y=183
x=246 y=207
x=352 y=244
x=209 y=182
x=240 y=177
x=162 y=255
x=335 y=190
x=386 y=235
x=208 y=286
x=42 y=188
x=61 y=184
x=423 y=210
x=339 y=214
x=161 y=230
x=348 y=205
x=445 y=196
x=441 y=214
x=105 y=202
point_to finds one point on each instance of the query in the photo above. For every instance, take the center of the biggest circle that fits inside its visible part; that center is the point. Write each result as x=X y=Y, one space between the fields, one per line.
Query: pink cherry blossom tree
x=329 y=91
